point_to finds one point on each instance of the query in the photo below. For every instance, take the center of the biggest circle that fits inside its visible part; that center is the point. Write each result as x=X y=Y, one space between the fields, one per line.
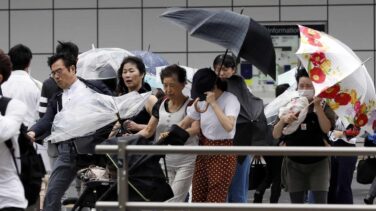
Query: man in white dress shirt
x=20 y=85
x=63 y=70
x=12 y=195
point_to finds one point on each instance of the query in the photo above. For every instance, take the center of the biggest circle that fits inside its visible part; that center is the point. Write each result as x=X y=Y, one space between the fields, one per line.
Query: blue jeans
x=63 y=173
x=238 y=191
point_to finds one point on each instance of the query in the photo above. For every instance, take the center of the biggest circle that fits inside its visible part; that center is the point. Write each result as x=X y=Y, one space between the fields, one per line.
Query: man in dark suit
x=63 y=71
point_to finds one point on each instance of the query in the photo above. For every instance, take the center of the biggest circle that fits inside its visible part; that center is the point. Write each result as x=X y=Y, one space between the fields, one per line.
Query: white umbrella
x=287 y=77
x=100 y=63
x=93 y=112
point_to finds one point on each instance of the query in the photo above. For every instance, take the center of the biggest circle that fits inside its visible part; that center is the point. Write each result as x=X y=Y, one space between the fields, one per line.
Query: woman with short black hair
x=167 y=112
x=299 y=173
x=131 y=76
x=217 y=112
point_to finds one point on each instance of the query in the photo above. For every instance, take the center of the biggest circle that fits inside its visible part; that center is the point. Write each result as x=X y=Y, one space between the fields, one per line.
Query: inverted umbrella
x=151 y=60
x=287 y=77
x=271 y=110
x=153 y=80
x=339 y=76
x=239 y=33
x=93 y=112
x=100 y=63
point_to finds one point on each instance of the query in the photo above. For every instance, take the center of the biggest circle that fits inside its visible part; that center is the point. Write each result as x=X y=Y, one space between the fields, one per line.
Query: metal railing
x=122 y=150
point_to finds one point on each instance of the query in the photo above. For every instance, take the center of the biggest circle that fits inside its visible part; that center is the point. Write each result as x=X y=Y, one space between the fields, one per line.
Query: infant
x=297 y=106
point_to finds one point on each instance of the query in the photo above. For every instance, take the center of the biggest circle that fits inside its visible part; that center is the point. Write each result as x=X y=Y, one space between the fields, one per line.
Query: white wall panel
x=119 y=3
x=4 y=4
x=350 y=2
x=260 y=13
x=311 y=13
x=120 y=28
x=77 y=26
x=255 y=2
x=33 y=29
x=352 y=25
x=75 y=3
x=216 y=3
x=39 y=67
x=29 y=4
x=303 y=2
x=164 y=3
x=161 y=34
x=201 y=60
x=175 y=58
x=4 y=32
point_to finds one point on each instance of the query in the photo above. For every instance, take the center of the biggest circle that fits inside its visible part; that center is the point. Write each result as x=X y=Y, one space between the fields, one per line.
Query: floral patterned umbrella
x=339 y=77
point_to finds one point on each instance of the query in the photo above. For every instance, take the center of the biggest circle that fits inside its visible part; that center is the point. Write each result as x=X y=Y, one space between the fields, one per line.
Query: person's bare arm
x=149 y=130
x=186 y=122
x=150 y=103
x=194 y=129
x=285 y=119
x=324 y=121
x=135 y=127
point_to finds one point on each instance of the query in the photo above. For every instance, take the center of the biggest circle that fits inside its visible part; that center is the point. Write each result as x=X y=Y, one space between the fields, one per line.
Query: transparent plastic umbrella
x=93 y=112
x=151 y=60
x=100 y=63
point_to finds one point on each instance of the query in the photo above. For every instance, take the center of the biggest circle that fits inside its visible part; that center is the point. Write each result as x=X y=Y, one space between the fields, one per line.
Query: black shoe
x=257 y=198
x=369 y=200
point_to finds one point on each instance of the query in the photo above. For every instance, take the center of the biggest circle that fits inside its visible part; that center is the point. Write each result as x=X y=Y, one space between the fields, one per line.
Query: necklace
x=169 y=104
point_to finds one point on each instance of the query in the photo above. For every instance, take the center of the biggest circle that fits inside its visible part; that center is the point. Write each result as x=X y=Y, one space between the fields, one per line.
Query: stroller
x=146 y=179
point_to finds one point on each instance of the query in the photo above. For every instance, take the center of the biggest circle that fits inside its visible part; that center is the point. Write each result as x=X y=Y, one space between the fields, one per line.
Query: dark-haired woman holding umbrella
x=299 y=173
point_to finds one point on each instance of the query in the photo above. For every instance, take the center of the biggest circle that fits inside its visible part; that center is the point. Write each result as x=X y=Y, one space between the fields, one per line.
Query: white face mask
x=308 y=93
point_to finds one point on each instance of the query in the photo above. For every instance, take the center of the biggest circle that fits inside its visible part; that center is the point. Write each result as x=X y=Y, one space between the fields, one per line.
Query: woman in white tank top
x=166 y=112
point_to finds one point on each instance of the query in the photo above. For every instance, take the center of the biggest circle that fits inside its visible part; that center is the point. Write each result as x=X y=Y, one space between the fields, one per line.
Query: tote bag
x=366 y=170
x=257 y=174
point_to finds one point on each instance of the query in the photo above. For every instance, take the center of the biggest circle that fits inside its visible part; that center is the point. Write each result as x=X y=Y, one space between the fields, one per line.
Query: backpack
x=32 y=167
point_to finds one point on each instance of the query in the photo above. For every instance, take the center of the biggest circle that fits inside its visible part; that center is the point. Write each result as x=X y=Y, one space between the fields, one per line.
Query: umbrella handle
x=198 y=109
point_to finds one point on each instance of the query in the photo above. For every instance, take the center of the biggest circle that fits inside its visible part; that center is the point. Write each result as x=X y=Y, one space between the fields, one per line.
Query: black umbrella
x=239 y=33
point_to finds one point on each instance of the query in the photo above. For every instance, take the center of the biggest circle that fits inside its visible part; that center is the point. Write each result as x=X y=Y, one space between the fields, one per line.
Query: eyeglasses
x=57 y=72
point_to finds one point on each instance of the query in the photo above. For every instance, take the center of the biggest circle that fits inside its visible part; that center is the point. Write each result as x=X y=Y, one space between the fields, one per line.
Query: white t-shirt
x=11 y=189
x=210 y=125
x=22 y=87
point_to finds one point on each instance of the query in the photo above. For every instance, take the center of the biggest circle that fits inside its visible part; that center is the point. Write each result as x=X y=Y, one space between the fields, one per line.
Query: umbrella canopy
x=100 y=63
x=151 y=60
x=339 y=76
x=93 y=112
x=287 y=77
x=271 y=110
x=251 y=106
x=239 y=33
x=153 y=80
